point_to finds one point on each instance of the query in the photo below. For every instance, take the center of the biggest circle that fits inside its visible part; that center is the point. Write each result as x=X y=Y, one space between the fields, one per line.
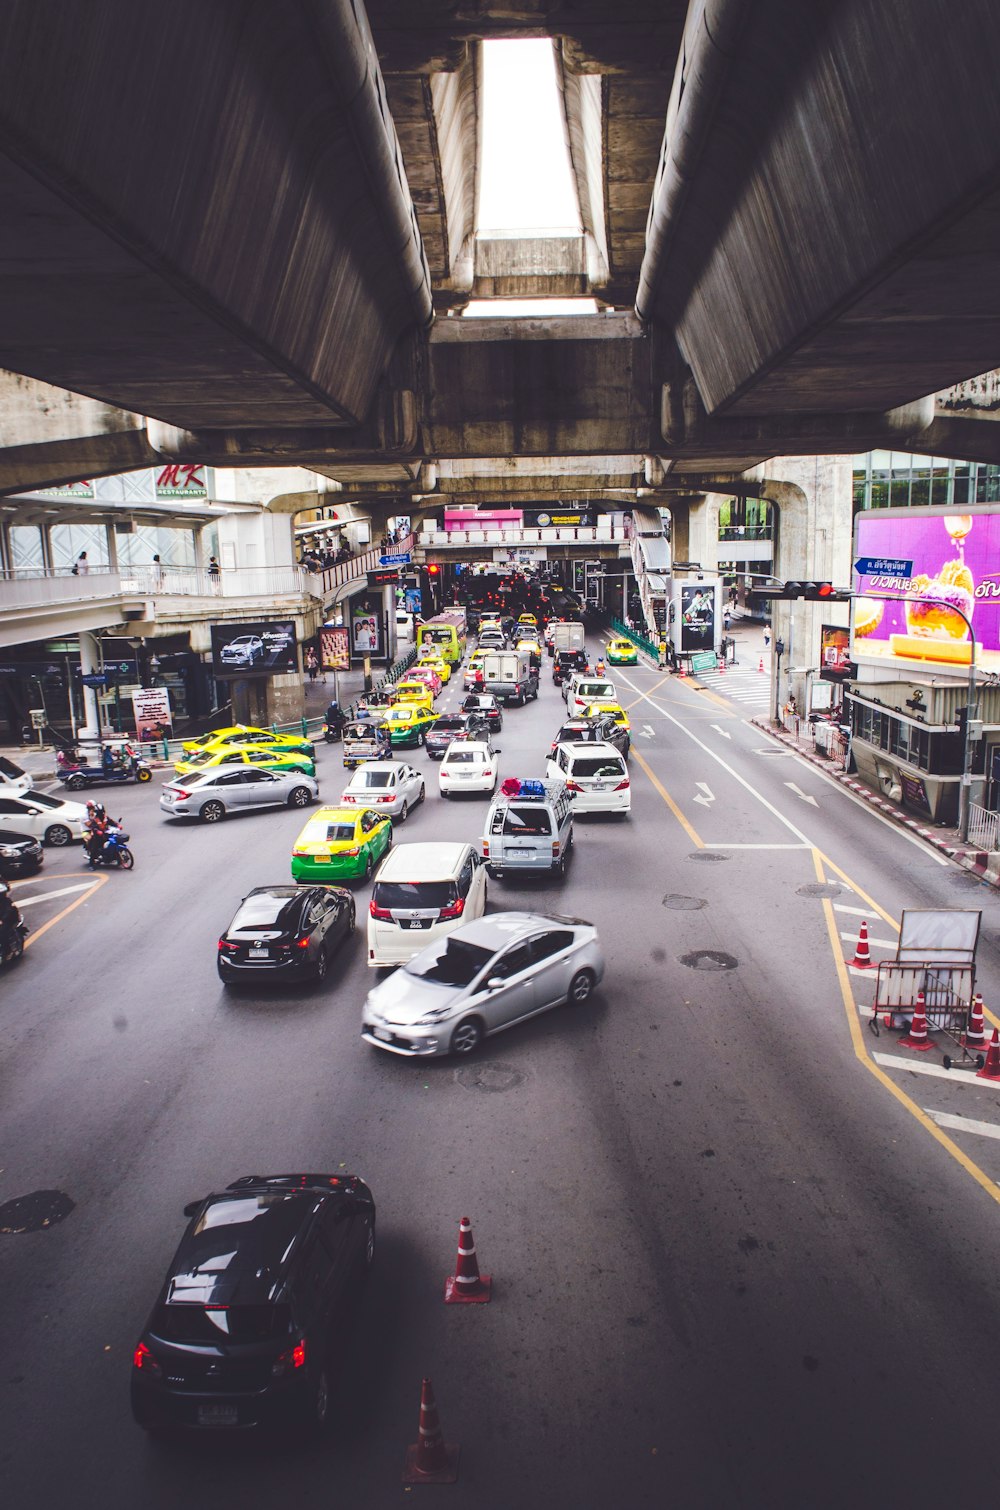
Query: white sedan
x=469 y=765
x=390 y=787
x=50 y=819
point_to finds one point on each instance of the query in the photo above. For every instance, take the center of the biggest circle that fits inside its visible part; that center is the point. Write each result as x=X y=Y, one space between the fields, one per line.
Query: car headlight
x=7 y=851
x=429 y=1018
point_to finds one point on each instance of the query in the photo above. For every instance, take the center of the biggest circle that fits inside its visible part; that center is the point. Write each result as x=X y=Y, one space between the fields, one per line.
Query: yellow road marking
x=671 y=804
x=37 y=933
x=861 y=1053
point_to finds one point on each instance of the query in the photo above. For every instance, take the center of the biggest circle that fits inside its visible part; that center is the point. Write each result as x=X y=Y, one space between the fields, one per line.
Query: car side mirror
x=192 y=1207
x=495 y=982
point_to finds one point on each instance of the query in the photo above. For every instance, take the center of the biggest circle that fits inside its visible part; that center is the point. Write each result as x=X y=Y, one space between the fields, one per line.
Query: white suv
x=421 y=892
x=584 y=688
x=596 y=776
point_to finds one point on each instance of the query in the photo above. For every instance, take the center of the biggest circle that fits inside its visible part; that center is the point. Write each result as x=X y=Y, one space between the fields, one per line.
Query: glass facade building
x=897 y=479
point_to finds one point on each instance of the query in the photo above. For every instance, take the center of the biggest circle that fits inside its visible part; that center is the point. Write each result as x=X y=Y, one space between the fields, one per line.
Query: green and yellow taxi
x=408 y=723
x=437 y=663
x=621 y=653
x=245 y=734
x=608 y=710
x=340 y=844
x=529 y=619
x=412 y=691
x=268 y=758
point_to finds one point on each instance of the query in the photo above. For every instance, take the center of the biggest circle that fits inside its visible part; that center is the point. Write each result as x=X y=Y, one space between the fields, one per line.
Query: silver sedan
x=482 y=978
x=389 y=786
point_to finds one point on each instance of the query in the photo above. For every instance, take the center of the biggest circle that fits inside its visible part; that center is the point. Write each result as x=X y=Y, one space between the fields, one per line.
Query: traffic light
x=433 y=569
x=810 y=592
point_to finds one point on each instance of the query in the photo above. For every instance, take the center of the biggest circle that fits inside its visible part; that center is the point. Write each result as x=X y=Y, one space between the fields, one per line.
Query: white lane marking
x=46 y=896
x=875 y=943
x=756 y=846
x=704 y=794
x=720 y=730
x=800 y=793
x=895 y=1062
x=855 y=912
x=964 y=1124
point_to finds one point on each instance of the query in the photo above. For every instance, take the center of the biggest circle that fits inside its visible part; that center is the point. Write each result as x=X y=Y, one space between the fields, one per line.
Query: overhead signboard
x=395 y=558
x=261 y=649
x=927 y=618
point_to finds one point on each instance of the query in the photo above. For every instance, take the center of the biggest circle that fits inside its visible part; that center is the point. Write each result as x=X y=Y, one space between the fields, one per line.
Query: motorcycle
x=12 y=946
x=333 y=727
x=115 y=852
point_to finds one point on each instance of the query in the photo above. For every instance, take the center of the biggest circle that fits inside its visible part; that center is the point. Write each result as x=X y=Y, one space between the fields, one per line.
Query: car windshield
x=41 y=799
x=591 y=765
x=570 y=732
x=442 y=724
x=201 y=758
x=596 y=692
x=405 y=894
x=463 y=757
x=180 y=1322
x=268 y=910
x=371 y=780
x=452 y=962
x=527 y=818
x=329 y=833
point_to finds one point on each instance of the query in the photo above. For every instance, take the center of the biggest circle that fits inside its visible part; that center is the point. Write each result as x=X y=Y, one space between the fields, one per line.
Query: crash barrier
x=947 y=988
x=637 y=639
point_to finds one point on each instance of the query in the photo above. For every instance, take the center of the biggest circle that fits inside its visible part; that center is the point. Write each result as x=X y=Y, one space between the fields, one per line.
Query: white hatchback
x=596 y=777
x=469 y=765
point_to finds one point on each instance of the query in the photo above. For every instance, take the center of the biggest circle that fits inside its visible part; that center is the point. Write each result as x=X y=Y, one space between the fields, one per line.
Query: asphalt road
x=732 y=1264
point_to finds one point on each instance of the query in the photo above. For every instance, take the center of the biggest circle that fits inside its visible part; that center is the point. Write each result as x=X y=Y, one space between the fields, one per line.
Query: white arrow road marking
x=800 y=793
x=704 y=795
x=646 y=732
x=720 y=730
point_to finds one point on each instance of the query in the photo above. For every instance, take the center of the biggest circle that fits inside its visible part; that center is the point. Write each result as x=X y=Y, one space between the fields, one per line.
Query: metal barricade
x=947 y=987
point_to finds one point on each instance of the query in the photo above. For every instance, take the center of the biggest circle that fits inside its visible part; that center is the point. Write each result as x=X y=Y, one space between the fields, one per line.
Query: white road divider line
x=964 y=1124
x=855 y=912
x=852 y=938
x=918 y=1067
x=46 y=896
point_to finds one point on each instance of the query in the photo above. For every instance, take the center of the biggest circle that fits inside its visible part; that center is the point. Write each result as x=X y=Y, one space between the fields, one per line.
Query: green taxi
x=340 y=844
x=245 y=734
x=408 y=723
x=268 y=758
x=621 y=653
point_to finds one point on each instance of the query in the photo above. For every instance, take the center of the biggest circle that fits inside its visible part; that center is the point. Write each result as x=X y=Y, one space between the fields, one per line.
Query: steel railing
x=984 y=827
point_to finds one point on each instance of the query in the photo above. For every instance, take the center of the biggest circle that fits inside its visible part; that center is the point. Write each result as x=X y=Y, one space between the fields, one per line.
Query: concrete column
x=90 y=662
x=703 y=532
x=112 y=537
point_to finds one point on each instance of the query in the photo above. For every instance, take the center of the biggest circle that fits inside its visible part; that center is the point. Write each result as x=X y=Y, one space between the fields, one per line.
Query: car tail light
x=179 y=793
x=143 y=1359
x=623 y=786
x=355 y=849
x=348 y=797
x=225 y=944
x=302 y=943
x=387 y=799
x=382 y=913
x=573 y=786
x=288 y=1361
x=555 y=846
x=486 y=849
x=453 y=910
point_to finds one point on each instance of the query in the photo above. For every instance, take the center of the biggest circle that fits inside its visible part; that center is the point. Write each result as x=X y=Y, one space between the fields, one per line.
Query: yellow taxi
x=438 y=664
x=408 y=723
x=340 y=844
x=622 y=653
x=528 y=618
x=608 y=710
x=245 y=734
x=532 y=646
x=268 y=758
x=412 y=691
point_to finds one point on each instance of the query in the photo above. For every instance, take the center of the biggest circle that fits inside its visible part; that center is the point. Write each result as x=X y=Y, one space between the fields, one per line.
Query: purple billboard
x=924 y=574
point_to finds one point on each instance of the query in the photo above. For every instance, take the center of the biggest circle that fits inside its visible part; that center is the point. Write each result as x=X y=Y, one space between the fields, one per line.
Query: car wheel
x=58 y=834
x=370 y=1244
x=212 y=812
x=321 y=1403
x=352 y=919
x=389 y=839
x=445 y=794
x=420 y=739
x=369 y=867
x=300 y=796
x=423 y=793
x=75 y=783
x=580 y=988
x=322 y=964
x=467 y=1036
x=143 y=775
x=404 y=812
x=492 y=872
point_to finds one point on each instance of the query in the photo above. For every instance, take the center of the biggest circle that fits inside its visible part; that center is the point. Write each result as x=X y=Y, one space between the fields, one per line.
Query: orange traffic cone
x=722 y=665
x=918 y=1036
x=467 y=1286
x=430 y=1460
x=991 y=1069
x=761 y=666
x=862 y=955
x=975 y=1036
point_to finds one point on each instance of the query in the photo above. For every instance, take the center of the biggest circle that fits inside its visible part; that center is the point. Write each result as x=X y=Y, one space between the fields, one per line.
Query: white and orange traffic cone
x=991 y=1069
x=761 y=666
x=862 y=954
x=430 y=1460
x=467 y=1286
x=918 y=1037
x=975 y=1035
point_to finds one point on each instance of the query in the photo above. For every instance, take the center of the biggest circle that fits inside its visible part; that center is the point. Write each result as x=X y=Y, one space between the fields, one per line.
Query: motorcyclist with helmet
x=333 y=724
x=95 y=828
x=10 y=920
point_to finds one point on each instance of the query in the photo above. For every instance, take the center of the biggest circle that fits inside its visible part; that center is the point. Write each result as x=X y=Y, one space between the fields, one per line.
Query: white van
x=595 y=775
x=583 y=689
x=421 y=892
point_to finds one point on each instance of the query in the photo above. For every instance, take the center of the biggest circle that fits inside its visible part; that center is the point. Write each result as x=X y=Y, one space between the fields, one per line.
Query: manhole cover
x=707 y=854
x=683 y=904
x=32 y=1213
x=488 y=1076
x=708 y=959
x=819 y=889
x=784 y=754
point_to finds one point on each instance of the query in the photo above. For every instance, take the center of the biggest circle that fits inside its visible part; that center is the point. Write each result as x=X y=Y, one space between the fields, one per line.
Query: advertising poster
x=919 y=619
x=697 y=617
x=254 y=649
x=366 y=632
x=835 y=651
x=151 y=711
x=335 y=642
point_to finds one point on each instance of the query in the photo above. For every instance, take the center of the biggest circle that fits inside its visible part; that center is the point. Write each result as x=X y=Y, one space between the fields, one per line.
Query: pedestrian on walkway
x=157 y=574
x=214 y=575
x=81 y=566
x=312 y=664
x=767 y=636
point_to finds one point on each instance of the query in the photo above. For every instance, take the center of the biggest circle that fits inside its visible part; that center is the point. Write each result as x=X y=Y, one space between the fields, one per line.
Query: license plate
x=383 y=1033
x=414 y=923
x=217 y=1415
x=260 y=953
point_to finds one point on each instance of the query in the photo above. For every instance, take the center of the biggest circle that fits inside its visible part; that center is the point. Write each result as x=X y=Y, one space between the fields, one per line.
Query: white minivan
x=595 y=775
x=583 y=689
x=421 y=892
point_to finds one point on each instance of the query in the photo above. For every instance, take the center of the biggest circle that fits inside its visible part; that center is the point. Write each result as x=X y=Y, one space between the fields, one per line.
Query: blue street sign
x=94 y=679
x=882 y=566
x=399 y=558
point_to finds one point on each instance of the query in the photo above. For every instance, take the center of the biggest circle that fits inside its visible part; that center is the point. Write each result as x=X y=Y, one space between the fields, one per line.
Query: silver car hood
x=405 y=998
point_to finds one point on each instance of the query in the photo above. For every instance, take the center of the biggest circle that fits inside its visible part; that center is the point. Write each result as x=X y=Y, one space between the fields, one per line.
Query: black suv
x=566 y=662
x=599 y=730
x=453 y=726
x=243 y=1331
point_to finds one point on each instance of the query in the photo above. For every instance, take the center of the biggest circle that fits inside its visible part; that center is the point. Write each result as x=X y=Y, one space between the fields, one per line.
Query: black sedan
x=20 y=854
x=486 y=705
x=285 y=933
x=453 y=726
x=601 y=730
